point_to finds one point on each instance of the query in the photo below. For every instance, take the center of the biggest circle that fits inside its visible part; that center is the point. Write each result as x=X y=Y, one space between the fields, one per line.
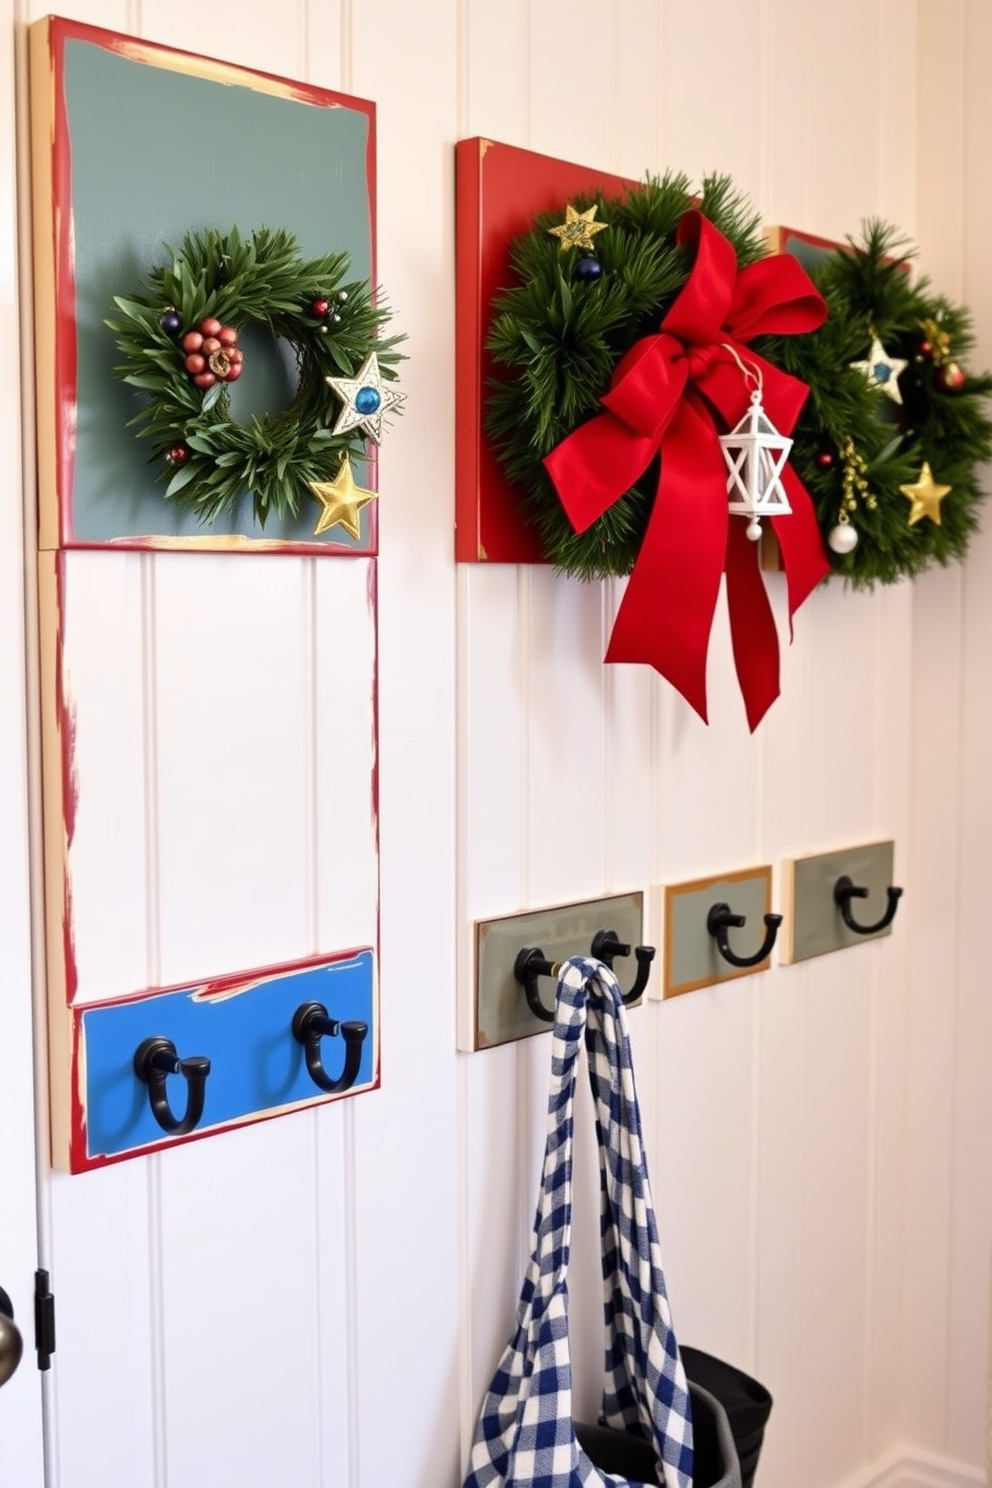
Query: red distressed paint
x=232 y=982
x=65 y=714
x=153 y=54
x=65 y=285
x=498 y=191
x=372 y=599
x=77 y=1136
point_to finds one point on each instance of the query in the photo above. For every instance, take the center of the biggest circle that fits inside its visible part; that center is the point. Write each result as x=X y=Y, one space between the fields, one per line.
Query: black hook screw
x=606 y=946
x=721 y=917
x=310 y=1024
x=530 y=964
x=845 y=889
x=154 y=1060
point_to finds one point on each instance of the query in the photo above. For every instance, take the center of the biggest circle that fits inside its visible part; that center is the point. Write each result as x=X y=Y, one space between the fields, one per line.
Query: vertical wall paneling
x=935 y=840
x=493 y=637
x=949 y=1216
x=104 y=1275
x=714 y=52
x=406 y=1281
x=234 y=788
x=972 y=1201
x=219 y=1420
x=97 y=604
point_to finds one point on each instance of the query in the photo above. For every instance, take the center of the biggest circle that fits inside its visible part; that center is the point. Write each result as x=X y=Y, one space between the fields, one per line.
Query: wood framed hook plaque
x=716 y=929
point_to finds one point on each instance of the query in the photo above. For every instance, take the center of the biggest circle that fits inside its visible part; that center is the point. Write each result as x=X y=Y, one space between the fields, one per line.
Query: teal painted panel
x=243 y=1028
x=156 y=153
x=817 y=924
x=693 y=958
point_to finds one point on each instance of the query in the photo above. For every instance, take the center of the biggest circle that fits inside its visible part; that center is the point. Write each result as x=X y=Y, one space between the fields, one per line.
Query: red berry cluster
x=212 y=353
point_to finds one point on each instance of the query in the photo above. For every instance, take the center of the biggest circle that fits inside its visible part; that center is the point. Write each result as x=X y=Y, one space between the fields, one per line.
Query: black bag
x=747 y=1403
x=631 y=1457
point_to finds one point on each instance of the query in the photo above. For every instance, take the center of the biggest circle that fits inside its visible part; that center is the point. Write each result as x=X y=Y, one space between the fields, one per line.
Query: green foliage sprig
x=261 y=280
x=555 y=341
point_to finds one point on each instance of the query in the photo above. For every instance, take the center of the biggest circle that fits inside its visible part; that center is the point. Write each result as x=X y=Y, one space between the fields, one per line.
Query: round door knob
x=11 y=1342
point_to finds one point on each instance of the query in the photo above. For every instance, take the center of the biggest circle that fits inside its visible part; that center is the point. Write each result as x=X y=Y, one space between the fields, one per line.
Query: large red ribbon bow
x=663 y=396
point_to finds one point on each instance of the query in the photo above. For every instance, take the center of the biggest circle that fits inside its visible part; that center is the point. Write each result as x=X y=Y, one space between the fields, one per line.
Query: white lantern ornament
x=756 y=454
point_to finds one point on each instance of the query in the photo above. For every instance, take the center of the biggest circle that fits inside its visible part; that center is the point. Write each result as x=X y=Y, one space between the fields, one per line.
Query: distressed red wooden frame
x=499 y=188
x=63 y=280
x=340 y=134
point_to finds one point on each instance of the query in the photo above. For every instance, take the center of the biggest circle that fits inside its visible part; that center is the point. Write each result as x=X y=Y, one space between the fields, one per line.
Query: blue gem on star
x=365 y=399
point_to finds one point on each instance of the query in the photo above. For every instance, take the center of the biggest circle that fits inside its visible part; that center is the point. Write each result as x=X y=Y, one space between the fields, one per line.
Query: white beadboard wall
x=319 y=1301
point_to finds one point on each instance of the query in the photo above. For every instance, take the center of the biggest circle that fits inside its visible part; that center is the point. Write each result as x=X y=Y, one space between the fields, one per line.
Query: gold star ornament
x=881 y=370
x=926 y=496
x=578 y=229
x=342 y=501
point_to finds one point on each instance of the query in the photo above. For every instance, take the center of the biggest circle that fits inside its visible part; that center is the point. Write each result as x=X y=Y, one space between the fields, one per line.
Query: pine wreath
x=178 y=340
x=861 y=447
x=558 y=333
x=556 y=337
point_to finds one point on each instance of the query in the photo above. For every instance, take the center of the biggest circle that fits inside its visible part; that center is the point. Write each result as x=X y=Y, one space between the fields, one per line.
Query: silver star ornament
x=365 y=398
x=881 y=370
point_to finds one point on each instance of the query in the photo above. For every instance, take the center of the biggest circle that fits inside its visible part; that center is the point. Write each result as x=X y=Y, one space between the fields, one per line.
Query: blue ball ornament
x=367 y=400
x=170 y=322
x=587 y=268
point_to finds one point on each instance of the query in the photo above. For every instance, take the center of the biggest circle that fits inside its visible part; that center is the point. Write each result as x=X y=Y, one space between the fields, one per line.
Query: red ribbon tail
x=800 y=542
x=752 y=626
x=667 y=611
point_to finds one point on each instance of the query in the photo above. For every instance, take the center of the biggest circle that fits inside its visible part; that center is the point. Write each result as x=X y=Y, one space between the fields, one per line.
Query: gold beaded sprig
x=855 y=481
x=940 y=341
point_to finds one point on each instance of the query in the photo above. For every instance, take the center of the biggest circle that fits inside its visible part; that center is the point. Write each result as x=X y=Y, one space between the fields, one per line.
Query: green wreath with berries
x=893 y=429
x=179 y=342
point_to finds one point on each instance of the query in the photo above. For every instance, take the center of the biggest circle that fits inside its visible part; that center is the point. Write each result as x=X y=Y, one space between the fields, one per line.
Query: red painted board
x=499 y=189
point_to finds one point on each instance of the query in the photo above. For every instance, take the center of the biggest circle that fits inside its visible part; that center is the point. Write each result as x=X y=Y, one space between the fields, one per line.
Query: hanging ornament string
x=663 y=397
x=756 y=454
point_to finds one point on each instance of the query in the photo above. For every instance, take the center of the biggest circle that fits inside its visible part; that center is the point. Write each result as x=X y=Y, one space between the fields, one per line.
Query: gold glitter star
x=881 y=370
x=342 y=501
x=926 y=496
x=578 y=229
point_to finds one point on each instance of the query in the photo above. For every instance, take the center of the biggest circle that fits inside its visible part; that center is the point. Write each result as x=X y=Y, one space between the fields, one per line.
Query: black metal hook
x=530 y=964
x=310 y=1024
x=154 y=1060
x=721 y=917
x=605 y=947
x=845 y=889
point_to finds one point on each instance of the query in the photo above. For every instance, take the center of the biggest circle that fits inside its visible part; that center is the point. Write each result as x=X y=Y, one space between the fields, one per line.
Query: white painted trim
x=907 y=1467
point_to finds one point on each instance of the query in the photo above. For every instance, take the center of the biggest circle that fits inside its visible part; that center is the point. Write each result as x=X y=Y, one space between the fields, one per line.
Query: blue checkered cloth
x=525 y=1437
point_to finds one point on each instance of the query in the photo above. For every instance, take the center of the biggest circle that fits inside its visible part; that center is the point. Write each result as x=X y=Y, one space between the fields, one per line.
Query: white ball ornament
x=843 y=538
x=753 y=531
